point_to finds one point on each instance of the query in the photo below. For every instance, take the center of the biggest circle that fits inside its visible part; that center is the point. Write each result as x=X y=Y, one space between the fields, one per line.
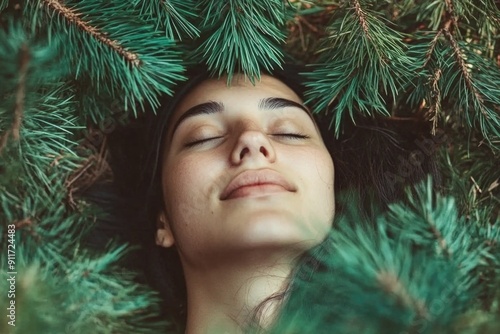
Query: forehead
x=240 y=88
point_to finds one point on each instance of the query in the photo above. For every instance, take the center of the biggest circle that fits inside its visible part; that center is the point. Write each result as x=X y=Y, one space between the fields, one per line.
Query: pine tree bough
x=448 y=26
x=465 y=72
x=74 y=18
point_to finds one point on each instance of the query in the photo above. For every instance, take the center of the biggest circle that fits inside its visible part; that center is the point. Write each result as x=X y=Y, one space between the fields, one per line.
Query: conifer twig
x=435 y=107
x=447 y=30
x=467 y=76
x=428 y=54
x=361 y=17
x=463 y=68
x=392 y=284
x=451 y=10
x=441 y=241
x=74 y=18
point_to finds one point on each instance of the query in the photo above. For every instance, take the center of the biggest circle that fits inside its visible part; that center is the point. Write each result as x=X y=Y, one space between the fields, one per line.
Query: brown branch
x=23 y=223
x=94 y=168
x=21 y=91
x=435 y=107
x=27 y=224
x=391 y=284
x=451 y=10
x=447 y=26
x=3 y=140
x=361 y=17
x=73 y=17
x=309 y=25
x=15 y=129
x=429 y=52
x=440 y=240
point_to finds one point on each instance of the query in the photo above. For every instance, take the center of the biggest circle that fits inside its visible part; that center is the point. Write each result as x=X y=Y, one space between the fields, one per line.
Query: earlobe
x=164 y=236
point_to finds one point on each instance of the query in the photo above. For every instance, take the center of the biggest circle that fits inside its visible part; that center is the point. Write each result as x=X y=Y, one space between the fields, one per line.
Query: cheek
x=316 y=168
x=318 y=173
x=188 y=184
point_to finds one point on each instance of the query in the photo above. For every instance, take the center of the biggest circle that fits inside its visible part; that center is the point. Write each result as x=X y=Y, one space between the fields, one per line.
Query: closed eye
x=294 y=136
x=201 y=141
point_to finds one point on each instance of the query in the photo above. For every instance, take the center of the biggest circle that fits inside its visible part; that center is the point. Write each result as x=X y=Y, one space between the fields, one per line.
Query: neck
x=223 y=297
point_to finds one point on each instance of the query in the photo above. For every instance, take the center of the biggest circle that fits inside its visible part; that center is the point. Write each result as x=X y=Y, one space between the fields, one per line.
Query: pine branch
x=472 y=176
x=392 y=285
x=56 y=303
x=460 y=59
x=362 y=17
x=478 y=15
x=74 y=18
x=173 y=16
x=378 y=281
x=242 y=35
x=26 y=61
x=116 y=53
x=435 y=222
x=362 y=65
x=468 y=91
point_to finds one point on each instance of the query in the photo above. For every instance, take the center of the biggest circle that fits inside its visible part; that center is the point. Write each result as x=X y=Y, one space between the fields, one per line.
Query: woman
x=243 y=186
x=247 y=188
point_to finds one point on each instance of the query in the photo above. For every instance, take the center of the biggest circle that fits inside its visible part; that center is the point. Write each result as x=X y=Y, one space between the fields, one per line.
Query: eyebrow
x=212 y=107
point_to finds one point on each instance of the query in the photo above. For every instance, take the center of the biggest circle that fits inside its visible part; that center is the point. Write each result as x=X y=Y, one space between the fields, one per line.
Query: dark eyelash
x=200 y=141
x=292 y=135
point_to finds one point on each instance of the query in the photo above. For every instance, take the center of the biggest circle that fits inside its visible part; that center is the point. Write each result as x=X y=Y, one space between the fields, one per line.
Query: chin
x=282 y=233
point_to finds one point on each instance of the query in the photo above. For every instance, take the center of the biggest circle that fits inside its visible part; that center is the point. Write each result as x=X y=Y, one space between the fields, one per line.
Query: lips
x=260 y=180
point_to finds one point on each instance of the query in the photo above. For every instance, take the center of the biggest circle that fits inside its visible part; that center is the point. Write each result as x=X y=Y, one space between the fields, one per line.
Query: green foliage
x=429 y=264
x=173 y=16
x=456 y=78
x=362 y=65
x=114 y=52
x=242 y=35
x=412 y=271
x=480 y=15
x=30 y=62
x=473 y=178
x=88 y=295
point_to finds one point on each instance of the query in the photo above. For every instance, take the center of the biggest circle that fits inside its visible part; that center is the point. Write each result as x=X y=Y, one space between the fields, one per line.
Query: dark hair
x=367 y=158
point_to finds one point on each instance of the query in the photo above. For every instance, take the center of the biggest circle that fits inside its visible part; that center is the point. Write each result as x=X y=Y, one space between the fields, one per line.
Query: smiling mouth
x=256 y=190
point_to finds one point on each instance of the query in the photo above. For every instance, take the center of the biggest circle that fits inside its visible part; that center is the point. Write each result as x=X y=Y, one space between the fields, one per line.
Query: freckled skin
x=206 y=229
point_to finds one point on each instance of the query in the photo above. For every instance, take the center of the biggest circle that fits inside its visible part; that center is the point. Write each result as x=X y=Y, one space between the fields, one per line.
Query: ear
x=164 y=235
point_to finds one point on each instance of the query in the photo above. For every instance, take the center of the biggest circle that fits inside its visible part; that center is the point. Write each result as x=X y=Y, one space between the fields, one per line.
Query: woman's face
x=244 y=168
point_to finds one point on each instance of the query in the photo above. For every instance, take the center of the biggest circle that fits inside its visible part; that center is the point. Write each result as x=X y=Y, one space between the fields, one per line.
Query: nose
x=253 y=144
